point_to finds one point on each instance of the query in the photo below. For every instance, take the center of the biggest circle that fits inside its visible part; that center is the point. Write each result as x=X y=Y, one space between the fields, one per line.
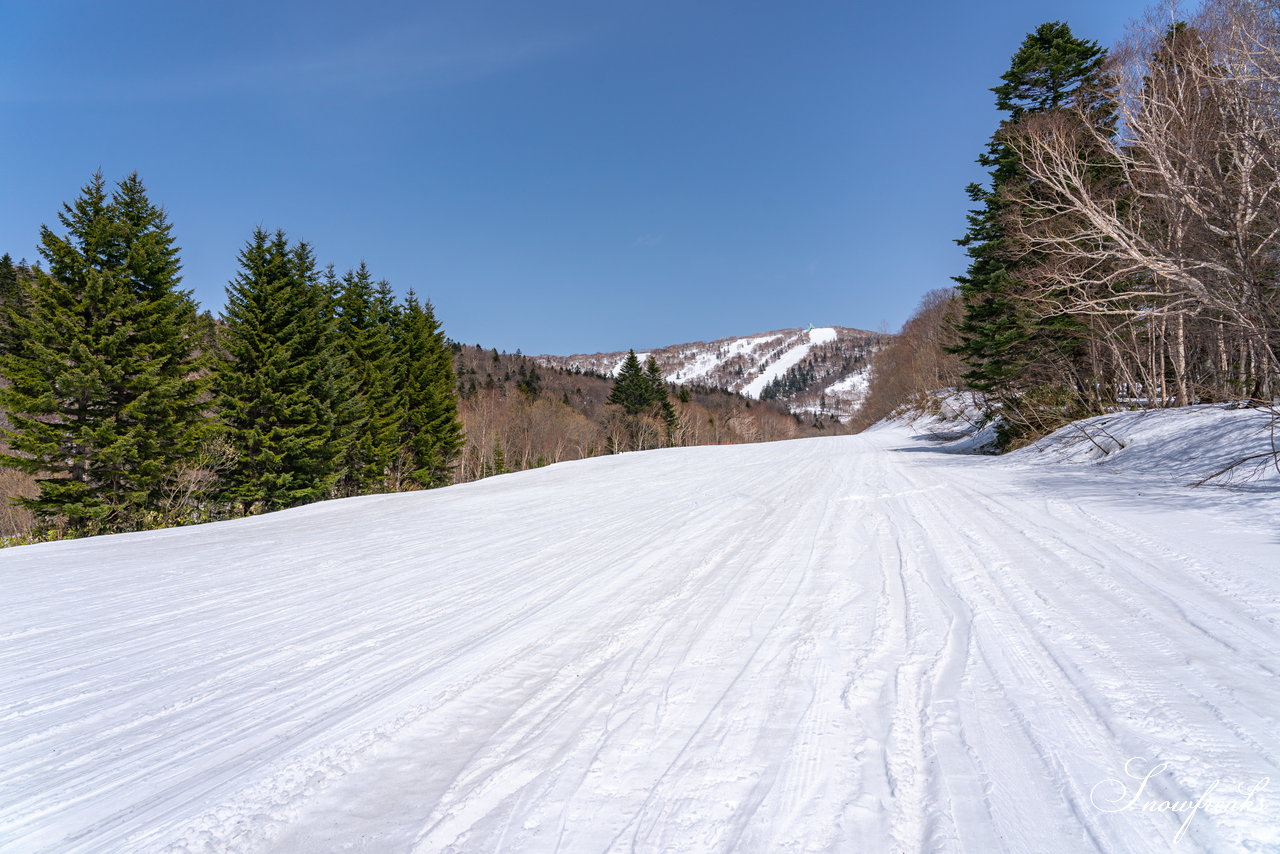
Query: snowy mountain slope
x=787 y=360
x=844 y=644
x=815 y=370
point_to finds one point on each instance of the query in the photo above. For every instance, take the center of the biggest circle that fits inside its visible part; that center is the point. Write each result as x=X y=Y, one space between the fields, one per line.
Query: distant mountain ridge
x=820 y=370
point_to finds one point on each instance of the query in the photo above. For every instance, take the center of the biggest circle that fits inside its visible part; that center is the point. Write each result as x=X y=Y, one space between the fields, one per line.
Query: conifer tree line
x=133 y=410
x=1125 y=250
x=795 y=379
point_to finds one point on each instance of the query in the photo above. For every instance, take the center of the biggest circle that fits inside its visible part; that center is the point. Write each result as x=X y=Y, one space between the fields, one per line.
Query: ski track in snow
x=845 y=644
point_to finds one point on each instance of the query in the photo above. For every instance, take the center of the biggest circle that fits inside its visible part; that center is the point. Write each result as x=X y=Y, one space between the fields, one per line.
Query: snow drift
x=1218 y=444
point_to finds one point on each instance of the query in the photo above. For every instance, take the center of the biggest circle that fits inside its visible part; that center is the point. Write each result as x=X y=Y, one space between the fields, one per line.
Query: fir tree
x=100 y=357
x=1048 y=71
x=430 y=432
x=281 y=385
x=366 y=324
x=659 y=396
x=641 y=392
x=8 y=279
x=997 y=338
x=632 y=388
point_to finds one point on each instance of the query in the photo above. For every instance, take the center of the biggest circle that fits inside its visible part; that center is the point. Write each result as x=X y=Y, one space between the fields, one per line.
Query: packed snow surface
x=846 y=644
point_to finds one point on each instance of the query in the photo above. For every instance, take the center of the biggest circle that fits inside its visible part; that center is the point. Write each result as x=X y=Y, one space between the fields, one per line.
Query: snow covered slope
x=788 y=359
x=814 y=370
x=845 y=644
x=1225 y=444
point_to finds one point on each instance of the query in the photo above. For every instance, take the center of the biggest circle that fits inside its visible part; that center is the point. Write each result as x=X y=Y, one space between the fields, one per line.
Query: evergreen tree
x=1048 y=71
x=430 y=432
x=281 y=384
x=499 y=463
x=997 y=338
x=530 y=381
x=642 y=393
x=632 y=388
x=659 y=397
x=366 y=323
x=8 y=279
x=99 y=354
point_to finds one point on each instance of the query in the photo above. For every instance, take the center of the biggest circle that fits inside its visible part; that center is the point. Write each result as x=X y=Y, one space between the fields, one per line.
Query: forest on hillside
x=825 y=376
x=518 y=414
x=1125 y=249
x=123 y=407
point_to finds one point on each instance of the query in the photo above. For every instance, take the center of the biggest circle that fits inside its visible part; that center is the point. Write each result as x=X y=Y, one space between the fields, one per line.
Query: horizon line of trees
x=132 y=410
x=520 y=415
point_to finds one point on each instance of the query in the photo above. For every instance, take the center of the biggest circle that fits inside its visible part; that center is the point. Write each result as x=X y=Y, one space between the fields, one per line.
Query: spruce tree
x=998 y=339
x=430 y=432
x=366 y=328
x=99 y=354
x=281 y=384
x=659 y=396
x=8 y=279
x=632 y=389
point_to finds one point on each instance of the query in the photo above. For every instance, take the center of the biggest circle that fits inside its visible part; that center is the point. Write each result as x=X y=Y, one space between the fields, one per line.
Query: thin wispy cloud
x=394 y=61
x=413 y=55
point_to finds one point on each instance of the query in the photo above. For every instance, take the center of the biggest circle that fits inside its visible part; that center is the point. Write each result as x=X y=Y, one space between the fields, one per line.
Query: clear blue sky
x=556 y=176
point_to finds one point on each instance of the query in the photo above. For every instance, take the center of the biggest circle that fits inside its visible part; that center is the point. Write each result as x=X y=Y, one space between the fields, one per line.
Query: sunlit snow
x=846 y=644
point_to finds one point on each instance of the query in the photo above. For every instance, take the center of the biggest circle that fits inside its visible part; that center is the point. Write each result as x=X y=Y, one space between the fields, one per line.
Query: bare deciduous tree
x=1166 y=220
